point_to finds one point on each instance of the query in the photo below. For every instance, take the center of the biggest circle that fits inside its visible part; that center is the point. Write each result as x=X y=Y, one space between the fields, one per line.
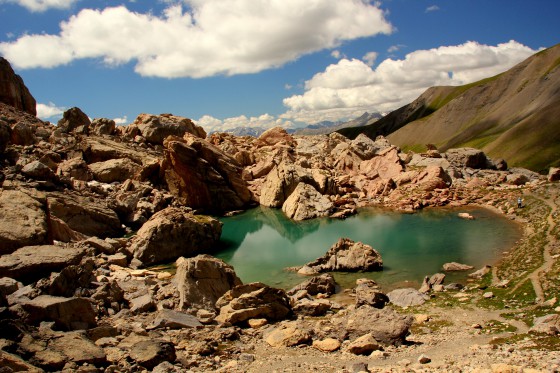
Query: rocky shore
x=89 y=207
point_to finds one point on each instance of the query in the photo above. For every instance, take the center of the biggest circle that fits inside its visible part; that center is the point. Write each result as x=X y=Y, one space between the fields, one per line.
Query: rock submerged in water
x=347 y=255
x=454 y=266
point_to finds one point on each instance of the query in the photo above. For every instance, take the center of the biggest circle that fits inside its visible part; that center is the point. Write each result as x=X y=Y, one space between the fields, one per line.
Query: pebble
x=423 y=359
x=488 y=295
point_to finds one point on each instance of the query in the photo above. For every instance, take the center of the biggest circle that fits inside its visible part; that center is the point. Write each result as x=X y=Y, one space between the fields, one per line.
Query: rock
x=254 y=300
x=280 y=183
x=151 y=353
x=288 y=335
x=67 y=313
x=276 y=135
x=468 y=157
x=114 y=170
x=173 y=320
x=143 y=303
x=386 y=326
x=465 y=215
x=327 y=345
x=406 y=297
x=437 y=279
x=13 y=91
x=74 y=120
x=9 y=285
x=433 y=177
x=60 y=231
x=72 y=278
x=454 y=266
x=386 y=165
x=307 y=271
x=102 y=126
x=31 y=263
x=548 y=324
x=202 y=280
x=306 y=202
x=155 y=129
x=309 y=307
x=323 y=283
x=488 y=295
x=517 y=179
x=75 y=168
x=174 y=232
x=83 y=215
x=368 y=293
x=5 y=135
x=553 y=173
x=14 y=363
x=363 y=345
x=423 y=359
x=481 y=272
x=38 y=171
x=23 y=221
x=347 y=255
x=201 y=176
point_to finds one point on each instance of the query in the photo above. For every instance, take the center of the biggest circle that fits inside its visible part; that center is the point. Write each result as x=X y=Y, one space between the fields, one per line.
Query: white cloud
x=49 y=111
x=335 y=54
x=211 y=124
x=42 y=5
x=350 y=87
x=121 y=121
x=211 y=37
x=432 y=8
x=370 y=58
x=394 y=48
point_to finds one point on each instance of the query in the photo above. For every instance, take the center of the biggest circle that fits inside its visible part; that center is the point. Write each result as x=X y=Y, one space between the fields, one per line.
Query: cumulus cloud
x=432 y=8
x=205 y=38
x=394 y=48
x=42 y=5
x=370 y=58
x=211 y=124
x=49 y=111
x=121 y=121
x=350 y=87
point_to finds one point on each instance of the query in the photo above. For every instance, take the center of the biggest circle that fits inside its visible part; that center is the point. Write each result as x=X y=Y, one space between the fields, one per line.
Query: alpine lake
x=261 y=243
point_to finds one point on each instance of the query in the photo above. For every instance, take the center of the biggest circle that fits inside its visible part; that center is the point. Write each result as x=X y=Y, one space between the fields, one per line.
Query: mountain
x=323 y=128
x=514 y=115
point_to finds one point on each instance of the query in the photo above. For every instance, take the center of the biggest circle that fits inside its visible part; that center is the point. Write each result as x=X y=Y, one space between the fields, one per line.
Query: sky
x=261 y=63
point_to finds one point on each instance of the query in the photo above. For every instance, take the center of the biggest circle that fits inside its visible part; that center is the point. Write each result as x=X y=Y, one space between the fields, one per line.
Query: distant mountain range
x=514 y=115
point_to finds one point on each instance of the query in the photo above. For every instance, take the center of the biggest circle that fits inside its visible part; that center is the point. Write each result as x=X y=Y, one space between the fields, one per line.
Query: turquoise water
x=262 y=242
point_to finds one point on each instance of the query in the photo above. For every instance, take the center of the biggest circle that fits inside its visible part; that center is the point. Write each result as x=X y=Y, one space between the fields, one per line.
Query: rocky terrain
x=513 y=115
x=88 y=208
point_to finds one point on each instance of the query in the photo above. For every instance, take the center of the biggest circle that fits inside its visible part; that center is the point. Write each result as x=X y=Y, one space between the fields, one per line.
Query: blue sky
x=229 y=63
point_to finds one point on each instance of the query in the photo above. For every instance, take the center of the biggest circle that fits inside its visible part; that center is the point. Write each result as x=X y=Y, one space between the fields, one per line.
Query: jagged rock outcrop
x=174 y=232
x=114 y=170
x=324 y=284
x=368 y=293
x=155 y=128
x=13 y=91
x=201 y=176
x=253 y=301
x=102 y=126
x=5 y=134
x=202 y=280
x=74 y=120
x=347 y=255
x=306 y=202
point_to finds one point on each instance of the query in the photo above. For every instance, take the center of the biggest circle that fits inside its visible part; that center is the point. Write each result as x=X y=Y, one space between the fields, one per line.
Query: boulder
x=386 y=165
x=547 y=324
x=31 y=263
x=454 y=266
x=67 y=313
x=151 y=353
x=406 y=297
x=9 y=285
x=75 y=168
x=349 y=256
x=70 y=278
x=306 y=202
x=23 y=220
x=481 y=272
x=174 y=232
x=13 y=90
x=281 y=182
x=288 y=335
x=85 y=215
x=5 y=135
x=14 y=363
x=433 y=177
x=275 y=136
x=468 y=157
x=327 y=344
x=202 y=176
x=322 y=284
x=363 y=345
x=156 y=128
x=311 y=307
x=254 y=300
x=202 y=280
x=114 y=170
x=368 y=293
x=38 y=171
x=23 y=134
x=74 y=120
x=173 y=320
x=102 y=126
x=553 y=173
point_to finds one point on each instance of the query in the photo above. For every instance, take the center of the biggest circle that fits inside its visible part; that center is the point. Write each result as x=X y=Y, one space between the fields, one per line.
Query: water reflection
x=261 y=242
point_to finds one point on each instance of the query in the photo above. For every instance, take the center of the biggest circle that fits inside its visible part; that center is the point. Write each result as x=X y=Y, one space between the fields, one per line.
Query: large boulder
x=407 y=297
x=74 y=120
x=155 y=128
x=281 y=182
x=368 y=293
x=67 y=313
x=31 y=263
x=13 y=90
x=468 y=157
x=386 y=165
x=102 y=126
x=202 y=280
x=174 y=232
x=306 y=202
x=253 y=301
x=5 y=135
x=553 y=173
x=84 y=215
x=38 y=171
x=23 y=220
x=349 y=256
x=201 y=176
x=323 y=284
x=275 y=136
x=75 y=168
x=114 y=170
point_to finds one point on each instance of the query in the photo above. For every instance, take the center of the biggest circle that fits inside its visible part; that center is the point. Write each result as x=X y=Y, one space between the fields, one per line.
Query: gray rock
x=115 y=170
x=548 y=324
x=74 y=120
x=67 y=313
x=324 y=284
x=305 y=202
x=5 y=134
x=363 y=345
x=151 y=353
x=156 y=128
x=347 y=255
x=102 y=126
x=143 y=303
x=407 y=297
x=368 y=293
x=173 y=320
x=38 y=171
x=454 y=266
